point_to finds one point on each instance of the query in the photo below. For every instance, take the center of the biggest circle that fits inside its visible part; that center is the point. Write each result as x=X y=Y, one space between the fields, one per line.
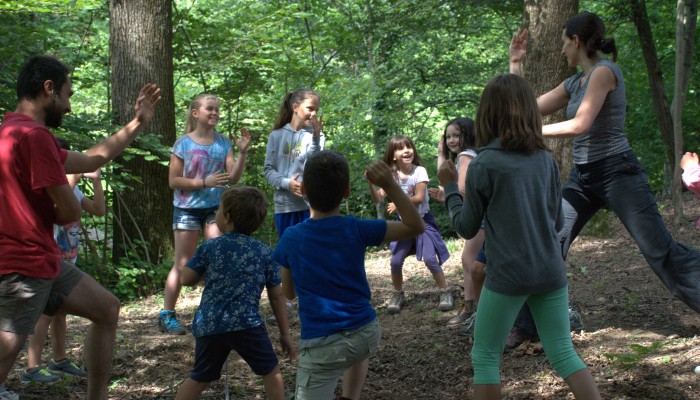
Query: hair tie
x=600 y=42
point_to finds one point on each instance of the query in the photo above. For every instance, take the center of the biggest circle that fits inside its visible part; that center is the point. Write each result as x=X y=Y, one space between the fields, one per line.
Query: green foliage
x=382 y=67
x=631 y=359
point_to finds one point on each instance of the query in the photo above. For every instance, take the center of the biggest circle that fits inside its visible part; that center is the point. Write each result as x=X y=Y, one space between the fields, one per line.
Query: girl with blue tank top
x=606 y=171
x=201 y=164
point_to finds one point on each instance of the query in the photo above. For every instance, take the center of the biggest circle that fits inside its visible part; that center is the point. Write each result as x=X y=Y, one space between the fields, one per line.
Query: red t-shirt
x=30 y=161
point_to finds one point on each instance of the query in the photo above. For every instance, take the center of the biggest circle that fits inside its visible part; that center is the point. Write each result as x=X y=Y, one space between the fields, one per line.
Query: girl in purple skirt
x=403 y=159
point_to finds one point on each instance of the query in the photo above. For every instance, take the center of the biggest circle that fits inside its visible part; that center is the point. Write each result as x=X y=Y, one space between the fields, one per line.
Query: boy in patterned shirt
x=235 y=268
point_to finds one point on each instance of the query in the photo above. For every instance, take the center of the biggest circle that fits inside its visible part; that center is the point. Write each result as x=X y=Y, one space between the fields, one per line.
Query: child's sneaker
x=465 y=311
x=167 y=323
x=467 y=329
x=39 y=375
x=8 y=394
x=396 y=302
x=66 y=367
x=446 y=301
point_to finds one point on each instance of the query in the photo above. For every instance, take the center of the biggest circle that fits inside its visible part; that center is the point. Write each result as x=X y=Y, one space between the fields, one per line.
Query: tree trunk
x=685 y=37
x=656 y=86
x=141 y=52
x=544 y=67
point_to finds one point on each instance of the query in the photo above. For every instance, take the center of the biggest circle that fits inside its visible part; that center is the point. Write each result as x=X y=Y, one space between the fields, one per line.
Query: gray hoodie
x=287 y=151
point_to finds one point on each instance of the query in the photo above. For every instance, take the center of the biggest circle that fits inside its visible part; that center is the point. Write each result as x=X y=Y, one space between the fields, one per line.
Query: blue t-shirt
x=326 y=258
x=200 y=161
x=237 y=267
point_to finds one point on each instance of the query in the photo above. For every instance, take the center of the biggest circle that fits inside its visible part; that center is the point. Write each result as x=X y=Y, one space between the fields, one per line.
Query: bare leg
x=471 y=249
x=37 y=340
x=478 y=278
x=440 y=279
x=582 y=385
x=397 y=281
x=103 y=310
x=354 y=379
x=274 y=384
x=191 y=389
x=10 y=345
x=185 y=245
x=58 y=337
x=487 y=392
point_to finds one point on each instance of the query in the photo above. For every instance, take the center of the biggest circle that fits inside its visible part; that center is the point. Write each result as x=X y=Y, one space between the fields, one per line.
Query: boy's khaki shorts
x=320 y=367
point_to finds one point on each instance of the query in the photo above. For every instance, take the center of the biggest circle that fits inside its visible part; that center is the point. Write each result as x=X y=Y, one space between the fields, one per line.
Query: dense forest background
x=382 y=67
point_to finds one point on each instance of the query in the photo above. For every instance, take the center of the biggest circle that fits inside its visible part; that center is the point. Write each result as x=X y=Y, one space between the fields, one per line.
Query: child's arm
x=236 y=166
x=411 y=223
x=288 y=284
x=96 y=206
x=462 y=167
x=377 y=195
x=691 y=172
x=466 y=217
x=177 y=180
x=188 y=277
x=279 y=308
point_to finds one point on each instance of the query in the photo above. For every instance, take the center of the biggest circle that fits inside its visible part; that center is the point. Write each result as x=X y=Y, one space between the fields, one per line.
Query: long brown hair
x=287 y=107
x=590 y=30
x=191 y=121
x=508 y=111
x=400 y=142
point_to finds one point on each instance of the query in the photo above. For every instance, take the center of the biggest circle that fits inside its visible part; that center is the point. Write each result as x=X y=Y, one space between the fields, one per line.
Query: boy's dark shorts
x=23 y=298
x=253 y=345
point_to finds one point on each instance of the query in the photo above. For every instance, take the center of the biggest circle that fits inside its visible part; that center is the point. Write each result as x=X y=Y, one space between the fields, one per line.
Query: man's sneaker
x=575 y=322
x=66 y=367
x=39 y=375
x=396 y=302
x=516 y=337
x=446 y=301
x=167 y=323
x=8 y=394
x=467 y=329
x=465 y=311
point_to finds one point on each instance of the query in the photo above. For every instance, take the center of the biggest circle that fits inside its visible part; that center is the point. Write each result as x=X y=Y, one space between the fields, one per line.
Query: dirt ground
x=639 y=342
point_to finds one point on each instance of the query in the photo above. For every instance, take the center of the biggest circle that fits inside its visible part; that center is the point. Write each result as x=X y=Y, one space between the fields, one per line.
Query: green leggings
x=494 y=321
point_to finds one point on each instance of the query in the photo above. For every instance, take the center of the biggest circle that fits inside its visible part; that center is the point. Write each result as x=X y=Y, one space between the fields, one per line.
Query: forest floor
x=639 y=342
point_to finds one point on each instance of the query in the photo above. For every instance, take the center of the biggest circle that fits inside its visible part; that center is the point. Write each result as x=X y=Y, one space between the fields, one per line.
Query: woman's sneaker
x=39 y=375
x=396 y=302
x=167 y=323
x=66 y=367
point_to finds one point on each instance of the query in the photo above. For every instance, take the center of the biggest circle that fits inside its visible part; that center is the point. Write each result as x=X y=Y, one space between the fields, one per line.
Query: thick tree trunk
x=544 y=67
x=656 y=85
x=685 y=37
x=141 y=52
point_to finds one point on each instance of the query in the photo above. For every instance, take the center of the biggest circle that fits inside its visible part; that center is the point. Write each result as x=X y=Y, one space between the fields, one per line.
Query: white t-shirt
x=408 y=185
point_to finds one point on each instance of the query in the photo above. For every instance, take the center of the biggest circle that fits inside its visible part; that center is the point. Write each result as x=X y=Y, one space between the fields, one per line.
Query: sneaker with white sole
x=8 y=394
x=66 y=367
x=167 y=323
x=446 y=300
x=39 y=375
x=396 y=302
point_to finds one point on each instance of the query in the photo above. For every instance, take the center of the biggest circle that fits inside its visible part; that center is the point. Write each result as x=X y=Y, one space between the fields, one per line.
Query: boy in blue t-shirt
x=235 y=268
x=323 y=262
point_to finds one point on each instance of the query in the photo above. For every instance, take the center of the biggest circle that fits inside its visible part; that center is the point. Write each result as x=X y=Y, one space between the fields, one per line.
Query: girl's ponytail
x=191 y=121
x=287 y=107
x=286 y=111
